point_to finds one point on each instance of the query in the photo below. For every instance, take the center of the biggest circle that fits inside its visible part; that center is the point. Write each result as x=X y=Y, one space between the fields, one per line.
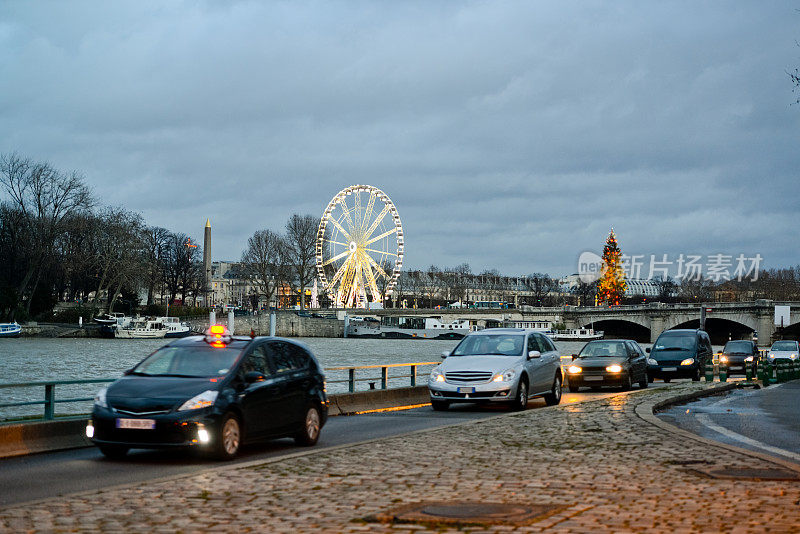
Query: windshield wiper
x=138 y=373
x=178 y=375
x=673 y=348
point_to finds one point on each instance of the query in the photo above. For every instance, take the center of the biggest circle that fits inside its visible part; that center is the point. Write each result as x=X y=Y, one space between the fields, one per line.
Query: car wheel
x=520 y=402
x=628 y=384
x=554 y=397
x=666 y=380
x=114 y=452
x=696 y=375
x=230 y=438
x=440 y=406
x=309 y=433
x=643 y=382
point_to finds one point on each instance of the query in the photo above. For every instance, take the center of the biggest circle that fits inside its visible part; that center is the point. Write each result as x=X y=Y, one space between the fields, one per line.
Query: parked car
x=608 y=362
x=679 y=354
x=783 y=349
x=212 y=393
x=506 y=365
x=738 y=355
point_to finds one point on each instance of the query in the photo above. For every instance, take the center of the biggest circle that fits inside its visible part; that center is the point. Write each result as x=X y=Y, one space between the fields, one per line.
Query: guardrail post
x=383 y=377
x=413 y=375
x=351 y=380
x=49 y=401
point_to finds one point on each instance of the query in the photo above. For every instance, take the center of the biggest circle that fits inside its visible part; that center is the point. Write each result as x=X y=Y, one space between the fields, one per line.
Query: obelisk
x=207 y=261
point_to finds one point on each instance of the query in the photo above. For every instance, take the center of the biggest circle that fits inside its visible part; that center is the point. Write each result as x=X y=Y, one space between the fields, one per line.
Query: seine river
x=40 y=359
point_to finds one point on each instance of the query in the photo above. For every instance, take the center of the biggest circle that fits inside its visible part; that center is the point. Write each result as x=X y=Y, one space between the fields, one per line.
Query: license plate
x=669 y=368
x=466 y=390
x=136 y=424
x=590 y=378
x=736 y=367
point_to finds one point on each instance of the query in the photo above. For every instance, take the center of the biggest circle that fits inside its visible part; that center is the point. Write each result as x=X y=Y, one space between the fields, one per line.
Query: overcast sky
x=510 y=135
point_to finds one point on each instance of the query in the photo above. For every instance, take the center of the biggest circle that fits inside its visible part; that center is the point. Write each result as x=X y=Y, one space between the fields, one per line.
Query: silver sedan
x=508 y=365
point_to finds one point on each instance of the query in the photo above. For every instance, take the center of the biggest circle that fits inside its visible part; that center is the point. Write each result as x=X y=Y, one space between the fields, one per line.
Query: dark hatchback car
x=608 y=362
x=679 y=354
x=212 y=393
x=738 y=355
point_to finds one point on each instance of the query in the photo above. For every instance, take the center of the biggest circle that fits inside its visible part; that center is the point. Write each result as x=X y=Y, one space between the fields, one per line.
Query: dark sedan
x=609 y=362
x=212 y=393
x=738 y=355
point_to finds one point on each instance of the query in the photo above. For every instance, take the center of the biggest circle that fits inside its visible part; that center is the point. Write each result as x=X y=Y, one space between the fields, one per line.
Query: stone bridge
x=723 y=320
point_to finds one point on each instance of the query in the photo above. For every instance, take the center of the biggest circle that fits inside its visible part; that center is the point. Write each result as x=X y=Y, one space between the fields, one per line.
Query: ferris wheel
x=359 y=246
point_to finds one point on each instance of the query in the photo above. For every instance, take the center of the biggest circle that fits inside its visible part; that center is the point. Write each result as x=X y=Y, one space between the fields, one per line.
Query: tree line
x=58 y=244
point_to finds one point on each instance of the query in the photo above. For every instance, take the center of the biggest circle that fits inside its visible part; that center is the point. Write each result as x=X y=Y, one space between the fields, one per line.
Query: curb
x=646 y=411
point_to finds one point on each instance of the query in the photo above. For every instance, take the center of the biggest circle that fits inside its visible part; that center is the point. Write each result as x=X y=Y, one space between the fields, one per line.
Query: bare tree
x=263 y=262
x=301 y=240
x=119 y=246
x=45 y=197
x=155 y=242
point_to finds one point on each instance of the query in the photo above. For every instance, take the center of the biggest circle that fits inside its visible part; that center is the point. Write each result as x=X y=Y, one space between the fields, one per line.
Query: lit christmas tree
x=611 y=286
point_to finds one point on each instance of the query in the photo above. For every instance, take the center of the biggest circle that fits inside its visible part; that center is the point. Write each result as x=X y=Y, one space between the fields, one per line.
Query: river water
x=39 y=359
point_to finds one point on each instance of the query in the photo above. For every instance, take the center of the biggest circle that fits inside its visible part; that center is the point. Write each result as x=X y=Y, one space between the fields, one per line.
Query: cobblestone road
x=603 y=466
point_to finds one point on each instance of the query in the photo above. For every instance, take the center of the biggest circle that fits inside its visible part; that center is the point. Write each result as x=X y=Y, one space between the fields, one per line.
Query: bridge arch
x=620 y=328
x=719 y=330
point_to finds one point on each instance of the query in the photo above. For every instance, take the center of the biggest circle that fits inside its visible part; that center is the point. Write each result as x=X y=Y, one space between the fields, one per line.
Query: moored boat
x=175 y=328
x=10 y=329
x=141 y=329
x=576 y=334
x=409 y=327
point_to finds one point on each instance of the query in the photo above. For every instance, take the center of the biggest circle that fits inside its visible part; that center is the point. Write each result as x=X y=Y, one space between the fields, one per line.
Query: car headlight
x=722 y=359
x=614 y=368
x=100 y=398
x=687 y=361
x=749 y=359
x=506 y=376
x=771 y=356
x=651 y=361
x=437 y=375
x=574 y=370
x=793 y=356
x=203 y=400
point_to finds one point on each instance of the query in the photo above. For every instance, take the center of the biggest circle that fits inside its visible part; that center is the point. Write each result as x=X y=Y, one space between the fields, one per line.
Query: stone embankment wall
x=287 y=324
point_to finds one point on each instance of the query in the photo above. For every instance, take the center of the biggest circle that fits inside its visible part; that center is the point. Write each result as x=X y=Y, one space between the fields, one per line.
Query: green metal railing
x=50 y=400
x=384 y=377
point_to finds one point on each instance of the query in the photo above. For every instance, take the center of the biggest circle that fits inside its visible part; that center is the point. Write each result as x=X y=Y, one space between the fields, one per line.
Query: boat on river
x=141 y=329
x=10 y=329
x=175 y=328
x=576 y=334
x=109 y=322
x=408 y=328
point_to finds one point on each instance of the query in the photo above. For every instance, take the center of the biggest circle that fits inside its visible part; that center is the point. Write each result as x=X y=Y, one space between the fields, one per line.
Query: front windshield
x=491 y=345
x=784 y=345
x=603 y=348
x=194 y=361
x=732 y=347
x=675 y=343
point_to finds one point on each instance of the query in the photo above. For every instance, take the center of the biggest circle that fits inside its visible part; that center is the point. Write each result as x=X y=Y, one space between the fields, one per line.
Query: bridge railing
x=343 y=379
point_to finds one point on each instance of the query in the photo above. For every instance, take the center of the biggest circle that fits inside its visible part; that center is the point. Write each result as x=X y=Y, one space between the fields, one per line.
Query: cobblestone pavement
x=606 y=469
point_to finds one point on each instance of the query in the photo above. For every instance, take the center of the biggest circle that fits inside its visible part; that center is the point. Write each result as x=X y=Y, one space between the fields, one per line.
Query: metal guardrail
x=384 y=377
x=50 y=399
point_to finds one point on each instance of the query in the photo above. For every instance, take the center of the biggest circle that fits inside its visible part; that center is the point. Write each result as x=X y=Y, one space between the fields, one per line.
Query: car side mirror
x=534 y=354
x=253 y=376
x=445 y=354
x=574 y=357
x=647 y=350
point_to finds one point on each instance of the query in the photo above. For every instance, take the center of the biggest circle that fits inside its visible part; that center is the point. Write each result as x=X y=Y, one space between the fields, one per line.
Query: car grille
x=129 y=412
x=468 y=376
